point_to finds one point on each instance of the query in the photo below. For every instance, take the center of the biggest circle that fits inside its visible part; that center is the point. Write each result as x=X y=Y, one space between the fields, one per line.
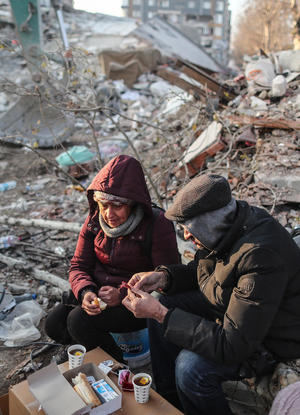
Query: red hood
x=122 y=176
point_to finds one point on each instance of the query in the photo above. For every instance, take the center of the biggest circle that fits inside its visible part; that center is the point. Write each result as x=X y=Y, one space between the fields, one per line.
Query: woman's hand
x=144 y=305
x=148 y=281
x=110 y=295
x=88 y=304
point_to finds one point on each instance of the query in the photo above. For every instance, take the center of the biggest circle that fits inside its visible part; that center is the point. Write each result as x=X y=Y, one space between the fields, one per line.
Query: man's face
x=114 y=213
x=188 y=236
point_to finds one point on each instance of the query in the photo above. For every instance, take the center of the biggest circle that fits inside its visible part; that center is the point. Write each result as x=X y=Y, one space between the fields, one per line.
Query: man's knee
x=194 y=373
x=185 y=364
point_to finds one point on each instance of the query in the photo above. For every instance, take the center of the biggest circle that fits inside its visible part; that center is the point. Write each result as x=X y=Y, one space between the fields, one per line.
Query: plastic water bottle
x=8 y=241
x=7 y=185
x=34 y=187
x=24 y=297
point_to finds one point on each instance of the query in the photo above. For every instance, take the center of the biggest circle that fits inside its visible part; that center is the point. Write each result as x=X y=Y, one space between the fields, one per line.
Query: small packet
x=124 y=380
x=106 y=366
x=117 y=367
x=104 y=391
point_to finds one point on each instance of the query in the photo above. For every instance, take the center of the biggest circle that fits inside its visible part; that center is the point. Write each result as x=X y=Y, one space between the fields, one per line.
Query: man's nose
x=186 y=234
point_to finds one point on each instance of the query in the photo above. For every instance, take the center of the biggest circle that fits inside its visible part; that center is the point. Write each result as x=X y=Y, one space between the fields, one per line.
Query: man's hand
x=148 y=281
x=88 y=305
x=110 y=295
x=144 y=305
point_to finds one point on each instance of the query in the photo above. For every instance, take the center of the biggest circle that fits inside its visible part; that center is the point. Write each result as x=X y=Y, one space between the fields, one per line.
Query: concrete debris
x=173 y=43
x=286 y=60
x=260 y=71
x=38 y=274
x=279 y=86
x=179 y=113
x=207 y=144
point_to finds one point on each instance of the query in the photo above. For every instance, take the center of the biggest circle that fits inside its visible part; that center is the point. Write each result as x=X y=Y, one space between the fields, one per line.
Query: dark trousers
x=69 y=324
x=179 y=373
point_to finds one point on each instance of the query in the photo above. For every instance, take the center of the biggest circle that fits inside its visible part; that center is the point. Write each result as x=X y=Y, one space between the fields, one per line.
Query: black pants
x=69 y=324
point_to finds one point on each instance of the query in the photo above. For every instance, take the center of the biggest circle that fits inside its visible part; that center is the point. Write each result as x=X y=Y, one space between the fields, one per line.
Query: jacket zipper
x=113 y=243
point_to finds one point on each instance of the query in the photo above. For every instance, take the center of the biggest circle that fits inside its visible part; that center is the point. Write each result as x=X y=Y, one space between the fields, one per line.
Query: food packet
x=124 y=380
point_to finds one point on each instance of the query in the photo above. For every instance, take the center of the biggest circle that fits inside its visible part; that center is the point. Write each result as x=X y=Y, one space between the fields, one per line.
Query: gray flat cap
x=202 y=194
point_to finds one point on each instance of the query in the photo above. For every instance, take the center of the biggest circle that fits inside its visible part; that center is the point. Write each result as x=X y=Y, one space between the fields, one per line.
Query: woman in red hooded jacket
x=112 y=246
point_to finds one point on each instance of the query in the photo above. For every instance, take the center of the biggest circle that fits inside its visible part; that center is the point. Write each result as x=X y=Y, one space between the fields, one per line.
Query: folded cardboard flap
x=56 y=395
x=54 y=392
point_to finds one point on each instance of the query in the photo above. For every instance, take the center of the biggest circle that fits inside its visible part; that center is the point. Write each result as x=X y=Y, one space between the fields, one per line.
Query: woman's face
x=114 y=214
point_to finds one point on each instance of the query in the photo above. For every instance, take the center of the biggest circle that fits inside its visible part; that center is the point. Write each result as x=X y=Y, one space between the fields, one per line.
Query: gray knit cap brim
x=202 y=194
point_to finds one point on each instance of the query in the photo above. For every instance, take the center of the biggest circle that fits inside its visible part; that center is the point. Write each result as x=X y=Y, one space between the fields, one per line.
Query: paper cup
x=76 y=354
x=141 y=384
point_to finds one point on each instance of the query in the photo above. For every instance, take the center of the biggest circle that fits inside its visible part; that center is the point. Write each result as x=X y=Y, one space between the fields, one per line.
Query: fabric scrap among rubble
x=129 y=64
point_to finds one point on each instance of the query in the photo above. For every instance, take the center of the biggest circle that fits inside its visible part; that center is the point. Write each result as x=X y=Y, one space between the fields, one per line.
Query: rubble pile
x=177 y=117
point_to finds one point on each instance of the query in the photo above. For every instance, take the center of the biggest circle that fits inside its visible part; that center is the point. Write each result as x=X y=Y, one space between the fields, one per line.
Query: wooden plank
x=207 y=81
x=175 y=79
x=264 y=122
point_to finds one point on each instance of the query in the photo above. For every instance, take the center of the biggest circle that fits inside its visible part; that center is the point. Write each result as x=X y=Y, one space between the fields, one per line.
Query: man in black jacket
x=232 y=312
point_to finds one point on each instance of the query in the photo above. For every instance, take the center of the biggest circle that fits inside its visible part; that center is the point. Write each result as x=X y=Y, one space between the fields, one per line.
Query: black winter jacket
x=252 y=284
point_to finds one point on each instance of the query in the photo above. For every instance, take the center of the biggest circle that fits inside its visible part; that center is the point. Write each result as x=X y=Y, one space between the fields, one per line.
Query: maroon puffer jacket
x=100 y=260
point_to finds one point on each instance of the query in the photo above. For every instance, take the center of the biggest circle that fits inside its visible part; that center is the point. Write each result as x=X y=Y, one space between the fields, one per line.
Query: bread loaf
x=85 y=391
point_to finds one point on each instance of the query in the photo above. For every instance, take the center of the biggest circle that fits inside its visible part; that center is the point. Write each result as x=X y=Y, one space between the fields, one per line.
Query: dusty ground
x=26 y=168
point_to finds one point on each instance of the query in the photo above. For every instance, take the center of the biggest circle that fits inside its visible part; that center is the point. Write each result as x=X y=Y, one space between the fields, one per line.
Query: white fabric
x=287 y=401
x=107 y=197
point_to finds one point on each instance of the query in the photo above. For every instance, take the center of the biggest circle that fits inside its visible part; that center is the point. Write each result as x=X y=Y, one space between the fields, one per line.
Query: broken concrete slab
x=207 y=144
x=291 y=181
x=287 y=60
x=173 y=43
x=35 y=123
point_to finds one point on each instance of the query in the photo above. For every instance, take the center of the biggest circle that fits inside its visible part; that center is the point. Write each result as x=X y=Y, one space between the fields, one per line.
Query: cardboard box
x=4 y=404
x=22 y=401
x=54 y=390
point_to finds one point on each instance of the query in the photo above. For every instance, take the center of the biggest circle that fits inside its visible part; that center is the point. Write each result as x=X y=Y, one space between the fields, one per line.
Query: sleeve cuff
x=84 y=290
x=166 y=271
x=166 y=319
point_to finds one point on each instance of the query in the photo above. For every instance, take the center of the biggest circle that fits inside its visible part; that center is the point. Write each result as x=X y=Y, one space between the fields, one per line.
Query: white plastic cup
x=141 y=391
x=76 y=354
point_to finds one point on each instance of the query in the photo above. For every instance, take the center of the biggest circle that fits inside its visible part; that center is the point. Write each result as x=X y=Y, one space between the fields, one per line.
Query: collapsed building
x=149 y=91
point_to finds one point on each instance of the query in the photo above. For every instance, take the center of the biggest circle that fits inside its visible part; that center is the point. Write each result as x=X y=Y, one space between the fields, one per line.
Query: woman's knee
x=56 y=323
x=76 y=321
